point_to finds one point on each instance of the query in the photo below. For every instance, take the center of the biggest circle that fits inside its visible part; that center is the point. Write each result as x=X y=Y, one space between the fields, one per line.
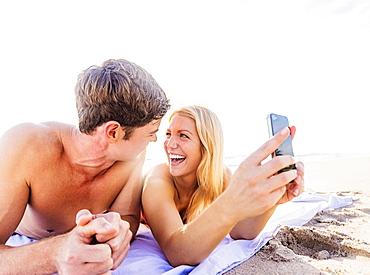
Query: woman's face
x=182 y=146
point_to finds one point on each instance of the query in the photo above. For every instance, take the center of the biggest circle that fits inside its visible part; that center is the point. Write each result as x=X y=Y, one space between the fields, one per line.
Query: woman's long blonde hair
x=211 y=173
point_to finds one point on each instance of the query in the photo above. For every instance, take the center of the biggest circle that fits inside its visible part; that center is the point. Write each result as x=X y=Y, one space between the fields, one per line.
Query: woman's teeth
x=172 y=156
x=176 y=158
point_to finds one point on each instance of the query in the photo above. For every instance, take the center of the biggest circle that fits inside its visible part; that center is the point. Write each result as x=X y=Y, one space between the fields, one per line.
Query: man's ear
x=113 y=131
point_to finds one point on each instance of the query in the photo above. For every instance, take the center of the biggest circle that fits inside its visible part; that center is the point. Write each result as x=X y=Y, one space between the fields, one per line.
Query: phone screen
x=275 y=124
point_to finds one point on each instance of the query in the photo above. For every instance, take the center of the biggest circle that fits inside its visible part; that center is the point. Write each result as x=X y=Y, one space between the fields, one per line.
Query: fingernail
x=284 y=131
x=82 y=213
x=296 y=192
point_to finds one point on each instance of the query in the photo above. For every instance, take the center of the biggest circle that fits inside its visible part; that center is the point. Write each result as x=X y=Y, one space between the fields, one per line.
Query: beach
x=335 y=241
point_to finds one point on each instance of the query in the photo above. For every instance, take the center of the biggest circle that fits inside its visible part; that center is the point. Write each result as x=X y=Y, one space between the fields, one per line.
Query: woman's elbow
x=188 y=259
x=244 y=235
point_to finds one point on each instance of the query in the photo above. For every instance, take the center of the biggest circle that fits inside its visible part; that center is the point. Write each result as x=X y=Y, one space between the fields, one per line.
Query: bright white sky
x=309 y=60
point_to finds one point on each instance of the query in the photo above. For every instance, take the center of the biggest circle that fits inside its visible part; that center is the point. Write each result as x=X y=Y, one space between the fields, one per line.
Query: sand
x=335 y=241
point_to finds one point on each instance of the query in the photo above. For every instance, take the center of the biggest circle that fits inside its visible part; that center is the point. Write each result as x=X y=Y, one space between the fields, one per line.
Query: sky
x=308 y=60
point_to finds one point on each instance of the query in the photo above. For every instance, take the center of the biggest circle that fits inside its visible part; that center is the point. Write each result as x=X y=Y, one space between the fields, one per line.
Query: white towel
x=145 y=256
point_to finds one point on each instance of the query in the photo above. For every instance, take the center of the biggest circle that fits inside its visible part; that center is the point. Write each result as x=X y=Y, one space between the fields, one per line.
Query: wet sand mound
x=320 y=244
x=335 y=241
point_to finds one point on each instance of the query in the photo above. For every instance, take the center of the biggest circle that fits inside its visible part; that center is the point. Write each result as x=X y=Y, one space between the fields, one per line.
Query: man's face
x=140 y=139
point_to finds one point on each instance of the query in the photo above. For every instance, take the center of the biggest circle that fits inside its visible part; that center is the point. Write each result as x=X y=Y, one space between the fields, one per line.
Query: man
x=77 y=190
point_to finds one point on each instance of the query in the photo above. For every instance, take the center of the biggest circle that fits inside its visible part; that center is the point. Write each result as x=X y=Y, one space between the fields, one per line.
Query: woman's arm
x=252 y=191
x=182 y=244
x=250 y=228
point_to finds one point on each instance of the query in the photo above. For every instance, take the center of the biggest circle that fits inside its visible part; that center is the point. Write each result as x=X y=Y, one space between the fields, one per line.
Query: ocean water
x=232 y=161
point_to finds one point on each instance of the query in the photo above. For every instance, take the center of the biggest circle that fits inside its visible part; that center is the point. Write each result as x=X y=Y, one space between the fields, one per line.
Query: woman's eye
x=184 y=136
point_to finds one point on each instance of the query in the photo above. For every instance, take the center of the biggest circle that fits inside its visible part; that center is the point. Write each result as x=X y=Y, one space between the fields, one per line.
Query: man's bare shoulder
x=27 y=130
x=27 y=138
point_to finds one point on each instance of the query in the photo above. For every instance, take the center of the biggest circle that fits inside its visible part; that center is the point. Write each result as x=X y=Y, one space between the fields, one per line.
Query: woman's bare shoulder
x=159 y=177
x=159 y=171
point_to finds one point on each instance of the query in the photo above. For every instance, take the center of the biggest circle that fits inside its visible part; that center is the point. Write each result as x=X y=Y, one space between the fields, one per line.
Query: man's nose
x=154 y=138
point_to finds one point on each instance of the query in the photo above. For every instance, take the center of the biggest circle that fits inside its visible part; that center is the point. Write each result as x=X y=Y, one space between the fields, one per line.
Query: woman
x=192 y=202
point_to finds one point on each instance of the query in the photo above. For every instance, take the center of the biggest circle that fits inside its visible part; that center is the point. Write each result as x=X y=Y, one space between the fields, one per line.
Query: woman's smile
x=176 y=159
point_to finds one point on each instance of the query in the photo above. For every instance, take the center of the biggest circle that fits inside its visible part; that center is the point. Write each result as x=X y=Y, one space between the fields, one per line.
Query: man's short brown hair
x=121 y=91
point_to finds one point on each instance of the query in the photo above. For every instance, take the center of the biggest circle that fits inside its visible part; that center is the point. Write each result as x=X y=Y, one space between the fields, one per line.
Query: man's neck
x=87 y=153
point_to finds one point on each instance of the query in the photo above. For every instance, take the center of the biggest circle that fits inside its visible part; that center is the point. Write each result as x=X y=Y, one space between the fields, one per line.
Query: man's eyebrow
x=155 y=131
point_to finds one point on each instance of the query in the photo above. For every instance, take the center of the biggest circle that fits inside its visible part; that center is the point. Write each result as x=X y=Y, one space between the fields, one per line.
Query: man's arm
x=23 y=260
x=128 y=201
x=14 y=194
x=125 y=213
x=13 y=201
x=14 y=191
x=71 y=252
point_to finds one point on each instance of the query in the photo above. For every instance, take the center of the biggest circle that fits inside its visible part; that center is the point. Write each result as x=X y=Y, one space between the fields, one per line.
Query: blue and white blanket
x=146 y=257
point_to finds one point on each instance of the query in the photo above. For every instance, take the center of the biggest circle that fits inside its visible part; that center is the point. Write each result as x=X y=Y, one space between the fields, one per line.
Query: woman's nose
x=171 y=142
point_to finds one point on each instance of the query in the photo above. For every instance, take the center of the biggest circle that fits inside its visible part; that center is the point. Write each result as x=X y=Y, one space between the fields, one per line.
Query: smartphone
x=275 y=124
